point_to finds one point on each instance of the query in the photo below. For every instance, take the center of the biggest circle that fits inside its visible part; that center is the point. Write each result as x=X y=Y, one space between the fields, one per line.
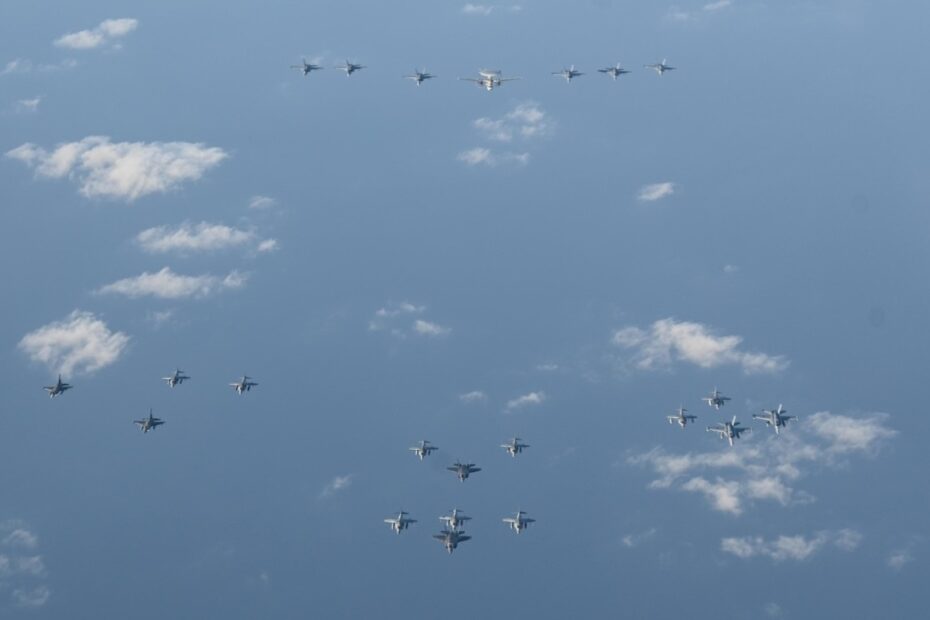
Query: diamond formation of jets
x=489 y=79
x=148 y=424
x=569 y=74
x=58 y=389
x=463 y=470
x=243 y=385
x=350 y=67
x=307 y=67
x=660 y=67
x=176 y=378
x=419 y=76
x=450 y=539
x=614 y=72
x=514 y=447
x=680 y=418
x=775 y=418
x=729 y=430
x=518 y=522
x=423 y=449
x=716 y=399
x=399 y=523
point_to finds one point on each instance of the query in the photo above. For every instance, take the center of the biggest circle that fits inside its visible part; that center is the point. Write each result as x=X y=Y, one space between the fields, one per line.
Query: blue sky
x=579 y=259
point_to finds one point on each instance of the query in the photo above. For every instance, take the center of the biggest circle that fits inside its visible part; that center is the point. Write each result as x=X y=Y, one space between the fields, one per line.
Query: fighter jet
x=419 y=76
x=569 y=74
x=307 y=67
x=463 y=470
x=614 y=72
x=57 y=389
x=729 y=430
x=681 y=418
x=177 y=378
x=245 y=384
x=148 y=424
x=775 y=417
x=454 y=520
x=450 y=539
x=519 y=522
x=489 y=79
x=514 y=447
x=350 y=67
x=400 y=522
x=716 y=399
x=423 y=450
x=660 y=67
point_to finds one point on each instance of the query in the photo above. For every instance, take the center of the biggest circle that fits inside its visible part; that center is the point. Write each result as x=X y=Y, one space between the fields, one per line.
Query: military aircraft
x=514 y=447
x=423 y=450
x=614 y=72
x=463 y=470
x=148 y=424
x=400 y=522
x=350 y=67
x=729 y=430
x=716 y=399
x=681 y=418
x=775 y=417
x=245 y=384
x=519 y=522
x=177 y=378
x=569 y=74
x=419 y=76
x=57 y=389
x=450 y=539
x=489 y=79
x=455 y=519
x=660 y=67
x=307 y=67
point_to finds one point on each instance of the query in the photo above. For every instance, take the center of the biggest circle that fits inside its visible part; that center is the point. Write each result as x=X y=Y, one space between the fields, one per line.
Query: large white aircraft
x=681 y=418
x=245 y=384
x=177 y=378
x=423 y=450
x=519 y=522
x=400 y=522
x=729 y=430
x=775 y=417
x=514 y=447
x=148 y=424
x=57 y=389
x=489 y=79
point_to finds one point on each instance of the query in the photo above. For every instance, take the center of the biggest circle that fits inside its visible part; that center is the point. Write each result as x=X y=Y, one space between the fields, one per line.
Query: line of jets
x=489 y=79
x=773 y=418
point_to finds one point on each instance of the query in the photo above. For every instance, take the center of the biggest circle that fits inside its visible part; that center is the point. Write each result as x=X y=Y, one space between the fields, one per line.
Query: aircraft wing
x=509 y=520
x=464 y=538
x=475 y=80
x=451 y=468
x=508 y=79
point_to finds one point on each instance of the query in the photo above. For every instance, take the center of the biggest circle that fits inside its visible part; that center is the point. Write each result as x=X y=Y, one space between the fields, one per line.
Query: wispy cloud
x=477 y=9
x=899 y=558
x=202 y=237
x=104 y=33
x=717 y=6
x=797 y=548
x=262 y=202
x=166 y=284
x=31 y=597
x=127 y=170
x=475 y=396
x=527 y=400
x=22 y=574
x=384 y=315
x=17 y=65
x=339 y=483
x=655 y=191
x=484 y=156
x=80 y=343
x=668 y=341
x=526 y=120
x=28 y=105
x=427 y=328
x=635 y=540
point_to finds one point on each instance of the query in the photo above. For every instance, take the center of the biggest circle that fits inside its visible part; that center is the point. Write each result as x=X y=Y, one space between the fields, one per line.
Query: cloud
x=31 y=598
x=21 y=538
x=766 y=470
x=28 y=105
x=384 y=316
x=481 y=155
x=104 y=33
x=899 y=558
x=635 y=540
x=477 y=9
x=717 y=5
x=655 y=191
x=335 y=485
x=166 y=284
x=797 y=548
x=527 y=400
x=202 y=237
x=262 y=202
x=126 y=170
x=17 y=65
x=80 y=343
x=728 y=269
x=21 y=575
x=426 y=328
x=526 y=120
x=475 y=396
x=668 y=340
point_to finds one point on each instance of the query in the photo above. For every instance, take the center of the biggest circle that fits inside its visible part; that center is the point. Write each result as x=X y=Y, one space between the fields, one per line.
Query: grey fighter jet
x=307 y=67
x=729 y=430
x=148 y=424
x=775 y=417
x=660 y=67
x=450 y=539
x=176 y=378
x=57 y=389
x=569 y=74
x=455 y=519
x=400 y=522
x=614 y=72
x=245 y=384
x=463 y=470
x=716 y=399
x=419 y=76
x=489 y=79
x=514 y=447
x=350 y=67
x=681 y=418
x=518 y=523
x=423 y=450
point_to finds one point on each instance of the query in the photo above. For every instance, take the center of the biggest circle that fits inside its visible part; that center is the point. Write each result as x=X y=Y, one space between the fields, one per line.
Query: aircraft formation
x=732 y=430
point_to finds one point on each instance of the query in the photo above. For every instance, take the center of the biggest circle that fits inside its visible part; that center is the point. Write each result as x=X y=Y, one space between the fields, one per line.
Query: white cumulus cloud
x=797 y=548
x=475 y=396
x=656 y=191
x=166 y=284
x=126 y=170
x=427 y=328
x=335 y=485
x=262 y=202
x=105 y=32
x=202 y=237
x=80 y=343
x=477 y=9
x=527 y=400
